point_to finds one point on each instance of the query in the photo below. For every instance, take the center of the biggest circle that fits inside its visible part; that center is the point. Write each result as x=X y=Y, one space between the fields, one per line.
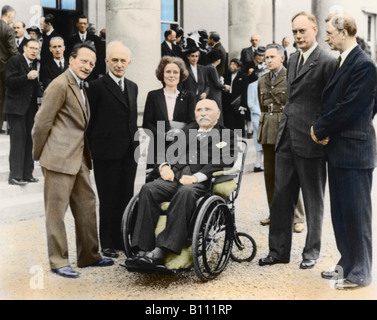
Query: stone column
x=321 y=9
x=137 y=23
x=248 y=17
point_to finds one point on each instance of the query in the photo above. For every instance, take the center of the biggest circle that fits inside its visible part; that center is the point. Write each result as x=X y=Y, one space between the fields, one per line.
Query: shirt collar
x=309 y=52
x=49 y=33
x=115 y=78
x=27 y=60
x=20 y=39
x=204 y=131
x=345 y=54
x=58 y=61
x=83 y=34
x=78 y=80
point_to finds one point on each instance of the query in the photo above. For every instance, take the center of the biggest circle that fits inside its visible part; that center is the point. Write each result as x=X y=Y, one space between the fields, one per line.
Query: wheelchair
x=213 y=234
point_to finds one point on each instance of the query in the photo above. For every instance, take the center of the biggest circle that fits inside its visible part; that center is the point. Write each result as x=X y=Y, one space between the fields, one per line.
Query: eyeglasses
x=85 y=62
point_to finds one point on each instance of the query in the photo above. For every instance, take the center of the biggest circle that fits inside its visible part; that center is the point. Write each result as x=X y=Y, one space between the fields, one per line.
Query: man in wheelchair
x=202 y=149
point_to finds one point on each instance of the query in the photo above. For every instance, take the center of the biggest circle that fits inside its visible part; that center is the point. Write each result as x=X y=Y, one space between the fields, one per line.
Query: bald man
x=208 y=147
x=111 y=132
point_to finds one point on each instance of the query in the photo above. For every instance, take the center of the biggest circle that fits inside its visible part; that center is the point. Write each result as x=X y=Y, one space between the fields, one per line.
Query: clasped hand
x=167 y=174
x=32 y=75
x=324 y=142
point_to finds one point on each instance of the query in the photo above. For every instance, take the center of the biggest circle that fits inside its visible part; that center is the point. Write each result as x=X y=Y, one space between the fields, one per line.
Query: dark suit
x=197 y=87
x=20 y=107
x=166 y=51
x=20 y=48
x=96 y=41
x=215 y=89
x=348 y=103
x=111 y=134
x=50 y=71
x=222 y=66
x=8 y=49
x=300 y=162
x=247 y=59
x=182 y=198
x=45 y=50
x=156 y=112
x=232 y=118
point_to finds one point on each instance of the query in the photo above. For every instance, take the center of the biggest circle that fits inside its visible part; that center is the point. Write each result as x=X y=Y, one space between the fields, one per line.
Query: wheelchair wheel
x=128 y=223
x=212 y=238
x=248 y=250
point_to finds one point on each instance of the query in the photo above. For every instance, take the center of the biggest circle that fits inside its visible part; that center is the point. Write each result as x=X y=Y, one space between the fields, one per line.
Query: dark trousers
x=351 y=213
x=292 y=173
x=21 y=163
x=115 y=180
x=2 y=97
x=182 y=205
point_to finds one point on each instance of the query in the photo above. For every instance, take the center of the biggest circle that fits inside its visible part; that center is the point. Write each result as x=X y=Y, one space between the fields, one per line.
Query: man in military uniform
x=272 y=88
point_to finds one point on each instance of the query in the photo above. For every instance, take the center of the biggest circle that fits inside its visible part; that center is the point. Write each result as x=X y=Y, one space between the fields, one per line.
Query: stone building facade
x=140 y=23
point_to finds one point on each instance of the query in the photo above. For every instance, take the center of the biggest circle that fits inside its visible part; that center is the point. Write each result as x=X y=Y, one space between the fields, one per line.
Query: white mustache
x=204 y=119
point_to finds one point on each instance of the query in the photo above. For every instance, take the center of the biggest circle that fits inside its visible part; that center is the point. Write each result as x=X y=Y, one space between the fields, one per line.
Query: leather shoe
x=269 y=261
x=256 y=170
x=66 y=272
x=17 y=182
x=329 y=275
x=110 y=252
x=307 y=264
x=103 y=262
x=346 y=284
x=32 y=180
x=265 y=222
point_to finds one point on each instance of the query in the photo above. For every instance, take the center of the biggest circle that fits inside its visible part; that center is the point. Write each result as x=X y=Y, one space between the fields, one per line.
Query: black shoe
x=269 y=261
x=103 y=262
x=110 y=253
x=256 y=170
x=250 y=136
x=17 y=182
x=329 y=275
x=346 y=284
x=32 y=180
x=2 y=131
x=307 y=264
x=66 y=272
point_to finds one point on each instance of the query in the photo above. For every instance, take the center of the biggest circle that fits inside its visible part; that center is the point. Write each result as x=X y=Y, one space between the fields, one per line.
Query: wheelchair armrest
x=222 y=176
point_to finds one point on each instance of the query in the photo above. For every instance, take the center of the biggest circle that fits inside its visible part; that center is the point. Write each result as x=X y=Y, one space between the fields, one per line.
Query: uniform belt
x=272 y=109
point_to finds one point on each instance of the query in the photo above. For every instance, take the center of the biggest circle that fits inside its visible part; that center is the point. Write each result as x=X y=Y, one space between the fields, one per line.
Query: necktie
x=61 y=66
x=121 y=85
x=301 y=63
x=273 y=77
x=31 y=66
x=201 y=135
x=339 y=61
x=18 y=43
x=81 y=85
x=83 y=39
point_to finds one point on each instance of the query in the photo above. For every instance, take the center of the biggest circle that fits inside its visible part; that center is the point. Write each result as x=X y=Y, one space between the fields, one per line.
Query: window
x=169 y=15
x=59 y=4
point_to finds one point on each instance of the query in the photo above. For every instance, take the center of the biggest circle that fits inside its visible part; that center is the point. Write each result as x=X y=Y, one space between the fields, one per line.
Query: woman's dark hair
x=168 y=60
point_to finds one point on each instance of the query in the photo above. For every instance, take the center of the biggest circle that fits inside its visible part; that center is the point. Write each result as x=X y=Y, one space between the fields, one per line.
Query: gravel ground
x=23 y=251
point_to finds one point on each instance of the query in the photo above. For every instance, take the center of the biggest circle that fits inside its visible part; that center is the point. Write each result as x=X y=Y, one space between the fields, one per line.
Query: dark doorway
x=65 y=21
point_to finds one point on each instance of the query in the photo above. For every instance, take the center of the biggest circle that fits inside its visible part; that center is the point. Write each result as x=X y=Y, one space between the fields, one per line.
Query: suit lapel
x=130 y=93
x=114 y=89
x=309 y=64
x=338 y=73
x=162 y=104
x=76 y=90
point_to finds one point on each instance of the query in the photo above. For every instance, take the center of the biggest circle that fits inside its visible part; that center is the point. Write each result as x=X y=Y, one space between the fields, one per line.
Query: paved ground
x=25 y=275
